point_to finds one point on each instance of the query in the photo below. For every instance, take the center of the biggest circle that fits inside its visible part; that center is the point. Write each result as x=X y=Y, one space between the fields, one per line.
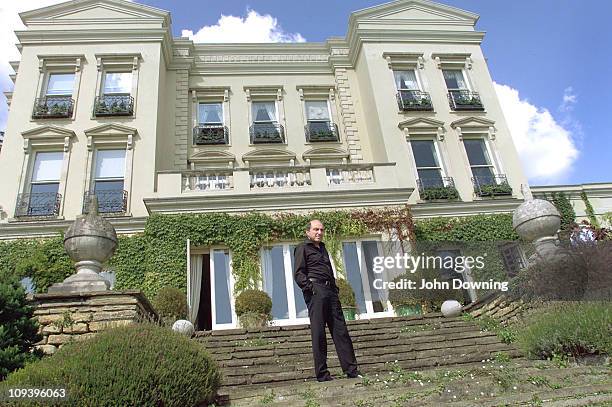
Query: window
x=43 y=199
x=480 y=162
x=57 y=101
x=513 y=257
x=409 y=94
x=406 y=80
x=427 y=163
x=108 y=184
x=210 y=113
x=264 y=112
x=265 y=127
x=117 y=83
x=116 y=98
x=448 y=272
x=459 y=93
x=319 y=126
x=454 y=79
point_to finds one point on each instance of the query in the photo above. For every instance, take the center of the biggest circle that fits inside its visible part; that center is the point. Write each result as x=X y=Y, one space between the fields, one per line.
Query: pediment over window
x=111 y=129
x=473 y=122
x=423 y=126
x=269 y=155
x=212 y=158
x=47 y=132
x=326 y=154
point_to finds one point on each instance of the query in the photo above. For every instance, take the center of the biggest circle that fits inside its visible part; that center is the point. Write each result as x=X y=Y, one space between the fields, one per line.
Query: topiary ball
x=253 y=301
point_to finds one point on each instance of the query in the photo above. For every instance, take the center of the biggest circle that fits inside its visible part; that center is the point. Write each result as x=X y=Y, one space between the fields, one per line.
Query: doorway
x=204 y=318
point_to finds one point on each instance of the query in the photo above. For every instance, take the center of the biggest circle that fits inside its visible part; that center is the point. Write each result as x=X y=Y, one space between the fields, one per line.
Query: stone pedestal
x=65 y=317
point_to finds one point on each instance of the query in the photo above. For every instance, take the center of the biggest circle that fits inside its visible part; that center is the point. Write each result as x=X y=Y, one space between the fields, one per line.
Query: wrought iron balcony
x=39 y=204
x=414 y=100
x=321 y=131
x=53 y=108
x=270 y=132
x=210 y=134
x=491 y=185
x=437 y=188
x=114 y=105
x=111 y=201
x=464 y=99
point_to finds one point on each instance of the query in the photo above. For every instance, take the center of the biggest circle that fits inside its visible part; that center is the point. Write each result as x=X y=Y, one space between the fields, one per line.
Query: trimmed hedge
x=170 y=304
x=137 y=365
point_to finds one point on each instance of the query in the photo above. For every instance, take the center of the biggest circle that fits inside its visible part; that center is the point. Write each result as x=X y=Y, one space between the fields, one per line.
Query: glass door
x=222 y=289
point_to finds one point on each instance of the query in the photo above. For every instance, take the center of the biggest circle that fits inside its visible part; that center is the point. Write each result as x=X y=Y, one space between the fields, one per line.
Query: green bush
x=18 y=331
x=405 y=296
x=345 y=293
x=253 y=301
x=170 y=304
x=568 y=328
x=136 y=365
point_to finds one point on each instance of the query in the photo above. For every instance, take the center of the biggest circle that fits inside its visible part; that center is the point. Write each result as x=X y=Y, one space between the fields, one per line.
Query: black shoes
x=356 y=375
x=325 y=379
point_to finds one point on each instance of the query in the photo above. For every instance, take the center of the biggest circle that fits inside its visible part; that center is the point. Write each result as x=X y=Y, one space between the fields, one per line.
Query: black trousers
x=324 y=309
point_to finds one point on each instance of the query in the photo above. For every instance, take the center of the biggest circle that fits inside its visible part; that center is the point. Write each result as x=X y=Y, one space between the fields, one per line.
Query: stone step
x=573 y=386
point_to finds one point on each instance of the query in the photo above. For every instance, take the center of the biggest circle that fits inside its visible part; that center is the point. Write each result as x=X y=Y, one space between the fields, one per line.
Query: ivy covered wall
x=158 y=258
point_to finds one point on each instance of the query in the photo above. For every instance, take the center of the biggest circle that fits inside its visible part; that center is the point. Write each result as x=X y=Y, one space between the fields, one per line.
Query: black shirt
x=311 y=262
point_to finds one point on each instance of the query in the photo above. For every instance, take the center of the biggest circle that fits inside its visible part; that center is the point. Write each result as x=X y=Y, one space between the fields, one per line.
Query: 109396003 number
x=34 y=393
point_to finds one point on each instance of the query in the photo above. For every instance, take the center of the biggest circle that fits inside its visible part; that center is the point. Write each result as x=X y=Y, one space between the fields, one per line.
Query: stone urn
x=89 y=241
x=538 y=221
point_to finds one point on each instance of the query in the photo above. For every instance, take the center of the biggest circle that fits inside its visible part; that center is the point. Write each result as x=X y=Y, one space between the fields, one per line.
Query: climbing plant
x=589 y=210
x=157 y=257
x=564 y=206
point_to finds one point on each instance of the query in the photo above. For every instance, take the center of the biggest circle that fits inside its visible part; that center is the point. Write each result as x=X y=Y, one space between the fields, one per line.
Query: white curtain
x=195 y=285
x=317 y=110
x=268 y=273
x=406 y=80
x=454 y=79
x=264 y=111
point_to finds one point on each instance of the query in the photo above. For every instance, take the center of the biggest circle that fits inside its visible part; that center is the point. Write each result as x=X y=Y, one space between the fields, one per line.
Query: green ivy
x=444 y=192
x=565 y=208
x=589 y=210
x=158 y=257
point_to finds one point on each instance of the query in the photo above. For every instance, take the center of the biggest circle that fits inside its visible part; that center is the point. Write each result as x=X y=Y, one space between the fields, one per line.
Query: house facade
x=106 y=102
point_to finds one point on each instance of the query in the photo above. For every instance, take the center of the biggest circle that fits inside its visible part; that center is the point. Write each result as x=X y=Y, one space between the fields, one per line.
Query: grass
x=574 y=329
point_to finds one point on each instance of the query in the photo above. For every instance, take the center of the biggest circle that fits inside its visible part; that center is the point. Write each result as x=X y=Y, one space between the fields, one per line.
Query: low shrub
x=253 y=301
x=18 y=331
x=136 y=365
x=345 y=293
x=170 y=304
x=568 y=328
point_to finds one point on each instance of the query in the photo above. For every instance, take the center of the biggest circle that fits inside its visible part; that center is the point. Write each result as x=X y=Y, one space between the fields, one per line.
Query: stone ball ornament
x=451 y=308
x=89 y=241
x=183 y=327
x=536 y=219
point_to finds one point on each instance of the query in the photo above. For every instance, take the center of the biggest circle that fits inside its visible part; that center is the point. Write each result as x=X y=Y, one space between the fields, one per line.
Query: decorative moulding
x=264 y=92
x=269 y=155
x=316 y=91
x=47 y=136
x=131 y=60
x=212 y=158
x=63 y=61
x=400 y=60
x=216 y=93
x=453 y=60
x=423 y=126
x=325 y=154
x=110 y=133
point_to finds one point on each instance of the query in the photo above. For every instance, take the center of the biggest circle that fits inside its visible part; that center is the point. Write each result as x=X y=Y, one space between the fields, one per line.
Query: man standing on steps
x=314 y=275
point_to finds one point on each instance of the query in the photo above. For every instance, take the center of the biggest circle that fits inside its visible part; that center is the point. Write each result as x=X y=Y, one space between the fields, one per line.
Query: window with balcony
x=319 y=126
x=57 y=101
x=265 y=127
x=460 y=97
x=115 y=98
x=42 y=198
x=210 y=128
x=431 y=180
x=108 y=183
x=409 y=94
x=484 y=177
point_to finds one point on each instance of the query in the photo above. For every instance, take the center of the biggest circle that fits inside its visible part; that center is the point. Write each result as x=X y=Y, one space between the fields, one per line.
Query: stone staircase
x=256 y=361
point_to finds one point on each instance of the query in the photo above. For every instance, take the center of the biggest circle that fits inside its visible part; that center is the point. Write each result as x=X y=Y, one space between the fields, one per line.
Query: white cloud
x=252 y=28
x=546 y=147
x=569 y=100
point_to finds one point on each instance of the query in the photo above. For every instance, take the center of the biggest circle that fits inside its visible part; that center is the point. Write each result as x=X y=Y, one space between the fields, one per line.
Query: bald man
x=314 y=275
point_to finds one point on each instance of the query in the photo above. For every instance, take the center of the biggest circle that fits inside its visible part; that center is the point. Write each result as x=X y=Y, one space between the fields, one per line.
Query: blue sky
x=551 y=59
